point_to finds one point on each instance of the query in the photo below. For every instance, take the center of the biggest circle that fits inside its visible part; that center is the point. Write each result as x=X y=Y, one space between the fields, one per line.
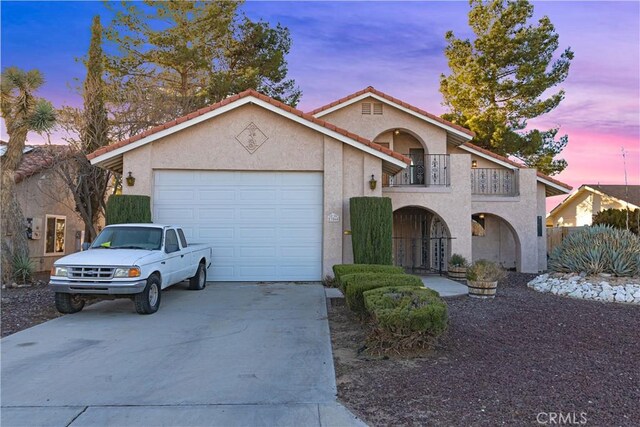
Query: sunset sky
x=397 y=47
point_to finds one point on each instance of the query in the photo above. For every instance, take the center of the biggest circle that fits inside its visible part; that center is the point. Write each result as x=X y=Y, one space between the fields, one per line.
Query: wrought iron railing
x=494 y=182
x=425 y=170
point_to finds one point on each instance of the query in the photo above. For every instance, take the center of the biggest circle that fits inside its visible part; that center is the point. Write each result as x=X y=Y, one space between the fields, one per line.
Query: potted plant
x=483 y=277
x=457 y=267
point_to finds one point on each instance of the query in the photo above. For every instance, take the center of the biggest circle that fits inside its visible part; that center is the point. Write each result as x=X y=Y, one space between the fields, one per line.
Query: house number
x=333 y=217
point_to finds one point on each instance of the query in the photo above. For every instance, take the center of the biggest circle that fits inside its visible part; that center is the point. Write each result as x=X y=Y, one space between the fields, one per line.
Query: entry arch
x=494 y=238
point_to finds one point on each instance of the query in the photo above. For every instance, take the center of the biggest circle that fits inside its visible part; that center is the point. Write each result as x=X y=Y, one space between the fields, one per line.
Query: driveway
x=233 y=354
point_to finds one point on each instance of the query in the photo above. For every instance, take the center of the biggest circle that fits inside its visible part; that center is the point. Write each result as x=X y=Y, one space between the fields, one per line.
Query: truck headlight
x=59 y=271
x=127 y=272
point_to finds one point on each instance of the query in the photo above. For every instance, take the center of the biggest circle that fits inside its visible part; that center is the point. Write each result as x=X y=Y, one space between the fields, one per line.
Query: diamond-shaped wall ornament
x=251 y=138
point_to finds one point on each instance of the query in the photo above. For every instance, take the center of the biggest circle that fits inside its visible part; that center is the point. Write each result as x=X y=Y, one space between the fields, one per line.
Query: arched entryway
x=421 y=240
x=494 y=239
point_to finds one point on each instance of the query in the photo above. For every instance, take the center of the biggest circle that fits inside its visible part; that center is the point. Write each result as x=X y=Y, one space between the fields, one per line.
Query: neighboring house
x=269 y=186
x=55 y=229
x=579 y=208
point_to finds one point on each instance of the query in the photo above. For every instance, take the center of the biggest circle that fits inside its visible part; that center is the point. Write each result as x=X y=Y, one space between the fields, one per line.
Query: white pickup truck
x=132 y=261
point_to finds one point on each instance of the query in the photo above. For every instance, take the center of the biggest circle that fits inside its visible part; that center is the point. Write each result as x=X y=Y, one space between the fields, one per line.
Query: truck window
x=171 y=242
x=183 y=241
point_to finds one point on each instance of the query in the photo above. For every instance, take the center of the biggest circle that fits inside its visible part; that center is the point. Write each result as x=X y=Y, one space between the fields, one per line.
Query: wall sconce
x=474 y=163
x=396 y=132
x=373 y=183
x=130 y=180
x=481 y=216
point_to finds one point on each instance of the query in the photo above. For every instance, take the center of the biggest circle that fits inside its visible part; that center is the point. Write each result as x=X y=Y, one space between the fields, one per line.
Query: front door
x=439 y=242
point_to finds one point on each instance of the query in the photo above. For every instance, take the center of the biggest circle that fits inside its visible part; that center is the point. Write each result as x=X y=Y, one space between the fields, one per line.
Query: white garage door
x=262 y=225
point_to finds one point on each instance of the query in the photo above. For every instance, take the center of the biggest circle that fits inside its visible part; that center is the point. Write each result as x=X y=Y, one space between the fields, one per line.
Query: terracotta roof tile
x=39 y=159
x=248 y=92
x=371 y=89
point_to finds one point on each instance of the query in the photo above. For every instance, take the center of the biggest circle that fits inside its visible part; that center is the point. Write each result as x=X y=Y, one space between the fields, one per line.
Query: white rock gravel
x=589 y=287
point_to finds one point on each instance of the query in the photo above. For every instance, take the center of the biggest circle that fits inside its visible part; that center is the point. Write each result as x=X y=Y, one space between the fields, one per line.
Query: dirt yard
x=515 y=360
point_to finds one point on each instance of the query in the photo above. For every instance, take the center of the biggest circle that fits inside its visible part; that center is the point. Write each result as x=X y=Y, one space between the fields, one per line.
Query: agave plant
x=23 y=268
x=598 y=249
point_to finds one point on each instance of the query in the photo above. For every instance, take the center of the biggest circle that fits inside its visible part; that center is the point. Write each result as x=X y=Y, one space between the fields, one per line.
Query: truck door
x=175 y=259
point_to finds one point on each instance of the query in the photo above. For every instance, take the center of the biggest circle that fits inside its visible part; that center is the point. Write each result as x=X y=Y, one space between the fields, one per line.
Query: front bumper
x=66 y=286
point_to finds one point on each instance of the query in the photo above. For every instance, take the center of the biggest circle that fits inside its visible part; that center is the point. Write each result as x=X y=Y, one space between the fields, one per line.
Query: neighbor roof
x=111 y=155
x=457 y=134
x=624 y=193
x=38 y=158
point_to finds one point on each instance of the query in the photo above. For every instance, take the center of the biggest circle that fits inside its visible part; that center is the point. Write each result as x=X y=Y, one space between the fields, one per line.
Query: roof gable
x=111 y=156
x=623 y=193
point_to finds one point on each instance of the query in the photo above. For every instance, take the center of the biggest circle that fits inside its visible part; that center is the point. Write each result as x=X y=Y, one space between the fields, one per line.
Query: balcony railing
x=425 y=170
x=494 y=182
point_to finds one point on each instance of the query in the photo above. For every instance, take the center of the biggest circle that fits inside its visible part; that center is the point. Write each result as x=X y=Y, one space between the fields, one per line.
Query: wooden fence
x=555 y=236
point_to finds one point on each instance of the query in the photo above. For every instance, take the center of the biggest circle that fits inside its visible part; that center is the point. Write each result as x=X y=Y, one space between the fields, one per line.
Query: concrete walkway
x=444 y=286
x=233 y=354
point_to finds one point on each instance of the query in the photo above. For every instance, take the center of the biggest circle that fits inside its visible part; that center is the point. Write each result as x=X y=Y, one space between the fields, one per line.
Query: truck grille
x=91 y=272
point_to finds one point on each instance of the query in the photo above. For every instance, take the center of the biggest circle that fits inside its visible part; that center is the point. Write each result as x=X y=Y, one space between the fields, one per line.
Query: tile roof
x=244 y=94
x=516 y=164
x=40 y=158
x=390 y=98
x=627 y=193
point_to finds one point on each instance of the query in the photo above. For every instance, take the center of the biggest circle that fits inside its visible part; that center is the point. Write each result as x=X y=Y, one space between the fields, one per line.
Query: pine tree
x=501 y=79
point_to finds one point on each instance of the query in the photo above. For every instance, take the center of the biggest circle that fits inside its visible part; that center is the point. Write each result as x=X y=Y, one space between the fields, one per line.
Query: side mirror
x=85 y=246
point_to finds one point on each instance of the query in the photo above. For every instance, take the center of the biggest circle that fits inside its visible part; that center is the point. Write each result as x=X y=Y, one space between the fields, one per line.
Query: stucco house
x=54 y=227
x=269 y=186
x=579 y=208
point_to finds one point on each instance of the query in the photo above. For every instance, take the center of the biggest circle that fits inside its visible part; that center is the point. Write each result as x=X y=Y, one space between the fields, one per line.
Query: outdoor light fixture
x=373 y=183
x=396 y=132
x=474 y=163
x=130 y=180
x=481 y=215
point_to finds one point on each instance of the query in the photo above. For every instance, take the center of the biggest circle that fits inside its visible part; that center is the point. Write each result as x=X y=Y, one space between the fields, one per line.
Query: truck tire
x=199 y=281
x=68 y=303
x=148 y=301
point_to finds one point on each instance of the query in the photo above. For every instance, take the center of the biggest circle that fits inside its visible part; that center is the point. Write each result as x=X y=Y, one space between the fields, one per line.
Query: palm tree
x=22 y=112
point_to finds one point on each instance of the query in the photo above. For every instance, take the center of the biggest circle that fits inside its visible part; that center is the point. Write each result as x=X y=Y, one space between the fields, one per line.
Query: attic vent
x=366 y=108
x=377 y=108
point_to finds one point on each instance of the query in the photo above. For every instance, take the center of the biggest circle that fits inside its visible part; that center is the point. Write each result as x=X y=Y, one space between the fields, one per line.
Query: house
x=269 y=186
x=53 y=226
x=579 y=208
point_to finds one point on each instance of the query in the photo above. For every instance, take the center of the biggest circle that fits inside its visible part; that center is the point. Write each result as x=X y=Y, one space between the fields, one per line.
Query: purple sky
x=339 y=48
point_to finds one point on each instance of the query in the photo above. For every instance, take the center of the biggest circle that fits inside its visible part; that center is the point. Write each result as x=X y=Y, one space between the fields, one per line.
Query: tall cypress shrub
x=127 y=209
x=371 y=228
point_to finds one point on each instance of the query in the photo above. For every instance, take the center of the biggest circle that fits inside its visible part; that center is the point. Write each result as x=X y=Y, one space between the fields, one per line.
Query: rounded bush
x=354 y=286
x=340 y=270
x=598 y=249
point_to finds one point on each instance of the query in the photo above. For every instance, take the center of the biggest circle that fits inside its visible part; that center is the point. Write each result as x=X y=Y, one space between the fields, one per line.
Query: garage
x=262 y=225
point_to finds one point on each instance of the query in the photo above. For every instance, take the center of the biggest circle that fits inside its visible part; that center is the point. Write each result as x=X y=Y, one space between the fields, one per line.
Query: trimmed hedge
x=406 y=317
x=340 y=270
x=122 y=209
x=355 y=285
x=371 y=230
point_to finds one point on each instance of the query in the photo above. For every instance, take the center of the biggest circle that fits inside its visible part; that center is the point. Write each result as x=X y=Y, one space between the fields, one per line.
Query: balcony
x=494 y=182
x=425 y=170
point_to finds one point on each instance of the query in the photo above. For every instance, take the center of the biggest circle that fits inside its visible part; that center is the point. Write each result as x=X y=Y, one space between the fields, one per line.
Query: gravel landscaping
x=513 y=360
x=24 y=307
x=598 y=288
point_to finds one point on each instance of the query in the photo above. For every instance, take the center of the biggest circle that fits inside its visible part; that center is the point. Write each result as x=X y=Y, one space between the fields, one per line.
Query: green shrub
x=123 y=209
x=371 y=229
x=354 y=286
x=458 y=260
x=485 y=271
x=405 y=317
x=340 y=270
x=598 y=249
x=23 y=268
x=617 y=218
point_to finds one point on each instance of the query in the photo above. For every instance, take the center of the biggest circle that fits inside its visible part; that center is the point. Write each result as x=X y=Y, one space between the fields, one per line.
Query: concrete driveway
x=233 y=354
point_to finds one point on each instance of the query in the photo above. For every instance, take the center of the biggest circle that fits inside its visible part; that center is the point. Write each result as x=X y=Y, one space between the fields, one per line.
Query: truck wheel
x=68 y=303
x=199 y=281
x=148 y=301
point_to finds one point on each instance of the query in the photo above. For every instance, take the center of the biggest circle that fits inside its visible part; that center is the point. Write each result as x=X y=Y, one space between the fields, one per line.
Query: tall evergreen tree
x=502 y=78
x=88 y=183
x=22 y=112
x=172 y=58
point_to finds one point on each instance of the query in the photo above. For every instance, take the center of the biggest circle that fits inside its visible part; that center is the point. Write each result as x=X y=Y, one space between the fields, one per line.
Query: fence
x=555 y=236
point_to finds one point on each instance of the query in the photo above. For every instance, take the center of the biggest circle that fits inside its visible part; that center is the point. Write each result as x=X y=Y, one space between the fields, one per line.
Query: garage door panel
x=262 y=225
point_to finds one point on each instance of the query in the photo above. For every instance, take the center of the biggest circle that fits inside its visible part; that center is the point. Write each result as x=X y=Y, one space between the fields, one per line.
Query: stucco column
x=332 y=212
x=458 y=208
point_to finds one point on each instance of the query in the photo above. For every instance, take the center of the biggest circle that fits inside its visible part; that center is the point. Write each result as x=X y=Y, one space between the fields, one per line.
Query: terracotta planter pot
x=457 y=273
x=482 y=289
